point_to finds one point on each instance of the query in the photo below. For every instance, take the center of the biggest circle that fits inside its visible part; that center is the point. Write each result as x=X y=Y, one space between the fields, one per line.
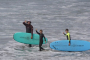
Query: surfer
x=41 y=39
x=29 y=29
x=68 y=36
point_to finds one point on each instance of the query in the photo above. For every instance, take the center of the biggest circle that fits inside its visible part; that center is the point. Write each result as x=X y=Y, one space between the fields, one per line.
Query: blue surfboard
x=76 y=45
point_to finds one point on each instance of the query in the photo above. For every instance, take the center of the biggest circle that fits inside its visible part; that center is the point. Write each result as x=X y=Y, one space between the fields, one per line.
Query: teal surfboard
x=23 y=37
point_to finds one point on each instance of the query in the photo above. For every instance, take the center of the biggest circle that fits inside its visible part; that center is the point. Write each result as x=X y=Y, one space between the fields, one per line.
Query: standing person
x=41 y=39
x=29 y=29
x=68 y=36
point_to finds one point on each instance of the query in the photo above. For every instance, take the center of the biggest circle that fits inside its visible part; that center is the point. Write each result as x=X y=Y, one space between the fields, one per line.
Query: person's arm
x=44 y=37
x=64 y=33
x=32 y=30
x=37 y=32
x=25 y=23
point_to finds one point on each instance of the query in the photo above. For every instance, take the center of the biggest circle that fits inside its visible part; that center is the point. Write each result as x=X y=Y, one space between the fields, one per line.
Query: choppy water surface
x=53 y=16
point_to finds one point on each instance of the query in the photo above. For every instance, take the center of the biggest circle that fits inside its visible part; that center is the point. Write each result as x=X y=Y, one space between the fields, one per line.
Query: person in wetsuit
x=41 y=39
x=29 y=29
x=68 y=36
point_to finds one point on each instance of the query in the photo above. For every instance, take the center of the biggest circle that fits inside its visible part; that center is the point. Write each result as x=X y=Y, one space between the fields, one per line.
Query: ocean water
x=53 y=16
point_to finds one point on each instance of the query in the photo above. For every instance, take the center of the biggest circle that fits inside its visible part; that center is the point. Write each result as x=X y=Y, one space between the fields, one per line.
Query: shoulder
x=68 y=33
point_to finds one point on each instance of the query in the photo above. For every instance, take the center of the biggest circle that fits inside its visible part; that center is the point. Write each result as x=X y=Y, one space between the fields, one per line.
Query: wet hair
x=28 y=21
x=41 y=30
x=67 y=30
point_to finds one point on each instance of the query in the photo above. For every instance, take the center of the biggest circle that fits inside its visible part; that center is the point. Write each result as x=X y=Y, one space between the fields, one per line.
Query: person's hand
x=31 y=37
x=63 y=32
x=45 y=41
x=36 y=29
x=25 y=21
x=69 y=44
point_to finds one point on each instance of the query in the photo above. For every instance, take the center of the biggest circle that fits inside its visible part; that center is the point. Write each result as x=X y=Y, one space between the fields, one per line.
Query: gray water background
x=53 y=16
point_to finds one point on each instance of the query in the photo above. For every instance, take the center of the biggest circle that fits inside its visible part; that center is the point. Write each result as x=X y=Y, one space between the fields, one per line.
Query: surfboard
x=76 y=45
x=23 y=37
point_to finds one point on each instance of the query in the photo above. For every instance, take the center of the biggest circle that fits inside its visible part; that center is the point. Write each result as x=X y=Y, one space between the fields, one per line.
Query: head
x=67 y=30
x=41 y=31
x=29 y=22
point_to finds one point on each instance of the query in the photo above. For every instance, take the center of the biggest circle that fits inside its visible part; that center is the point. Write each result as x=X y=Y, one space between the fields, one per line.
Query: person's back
x=68 y=36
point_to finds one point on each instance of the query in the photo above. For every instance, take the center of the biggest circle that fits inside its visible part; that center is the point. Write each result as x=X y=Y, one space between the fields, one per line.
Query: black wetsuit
x=29 y=29
x=41 y=40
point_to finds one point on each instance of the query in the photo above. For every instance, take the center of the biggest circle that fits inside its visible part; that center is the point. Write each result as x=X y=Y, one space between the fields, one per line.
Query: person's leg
x=40 y=46
x=30 y=45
